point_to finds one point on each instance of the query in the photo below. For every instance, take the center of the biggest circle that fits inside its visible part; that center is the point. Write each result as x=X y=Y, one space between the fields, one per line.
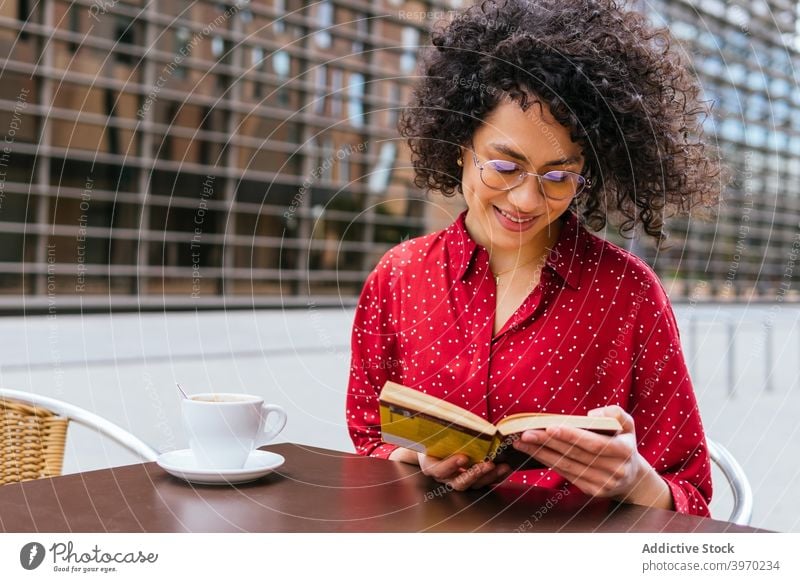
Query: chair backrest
x=33 y=441
x=34 y=432
x=742 y=511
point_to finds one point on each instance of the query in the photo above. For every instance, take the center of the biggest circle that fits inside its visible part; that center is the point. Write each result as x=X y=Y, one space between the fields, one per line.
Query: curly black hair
x=608 y=75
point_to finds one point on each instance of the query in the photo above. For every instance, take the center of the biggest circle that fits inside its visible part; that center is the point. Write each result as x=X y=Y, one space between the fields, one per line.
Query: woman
x=548 y=116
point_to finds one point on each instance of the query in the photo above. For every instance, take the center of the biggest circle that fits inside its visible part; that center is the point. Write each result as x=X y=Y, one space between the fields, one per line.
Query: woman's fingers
x=499 y=473
x=479 y=475
x=606 y=453
x=615 y=411
x=573 y=460
x=453 y=471
x=469 y=477
x=566 y=438
x=596 y=464
x=442 y=469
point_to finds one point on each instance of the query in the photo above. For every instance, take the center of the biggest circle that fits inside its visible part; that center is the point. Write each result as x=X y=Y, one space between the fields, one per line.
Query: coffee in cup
x=223 y=428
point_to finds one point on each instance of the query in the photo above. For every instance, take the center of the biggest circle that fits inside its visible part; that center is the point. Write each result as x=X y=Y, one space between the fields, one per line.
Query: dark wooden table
x=316 y=490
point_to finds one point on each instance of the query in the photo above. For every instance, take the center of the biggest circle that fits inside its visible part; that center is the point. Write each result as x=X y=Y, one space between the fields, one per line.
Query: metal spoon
x=182 y=392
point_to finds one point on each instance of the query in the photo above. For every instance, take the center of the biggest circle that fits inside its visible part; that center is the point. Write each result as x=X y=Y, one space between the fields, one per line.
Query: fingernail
x=533 y=437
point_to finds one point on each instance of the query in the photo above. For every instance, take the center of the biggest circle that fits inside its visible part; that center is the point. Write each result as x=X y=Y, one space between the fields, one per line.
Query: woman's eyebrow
x=563 y=161
x=510 y=152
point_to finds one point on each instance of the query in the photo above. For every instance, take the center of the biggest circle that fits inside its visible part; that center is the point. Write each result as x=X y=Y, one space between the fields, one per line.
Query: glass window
x=257 y=62
x=328 y=157
x=756 y=135
x=796 y=95
x=756 y=81
x=74 y=24
x=320 y=89
x=683 y=30
x=217 y=46
x=737 y=73
x=738 y=16
x=778 y=88
x=337 y=80
x=362 y=28
x=324 y=21
x=378 y=180
x=781 y=61
x=344 y=169
x=715 y=7
x=780 y=112
x=278 y=24
x=124 y=32
x=355 y=102
x=731 y=100
x=711 y=65
x=395 y=95
x=182 y=36
x=707 y=40
x=757 y=107
x=281 y=64
x=732 y=129
x=256 y=56
x=755 y=159
x=408 y=61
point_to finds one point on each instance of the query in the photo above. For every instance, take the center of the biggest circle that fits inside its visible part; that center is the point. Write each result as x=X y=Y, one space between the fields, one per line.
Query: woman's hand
x=454 y=471
x=599 y=465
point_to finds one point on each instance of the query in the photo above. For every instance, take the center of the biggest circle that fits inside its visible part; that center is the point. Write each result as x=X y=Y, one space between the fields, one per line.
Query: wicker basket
x=32 y=439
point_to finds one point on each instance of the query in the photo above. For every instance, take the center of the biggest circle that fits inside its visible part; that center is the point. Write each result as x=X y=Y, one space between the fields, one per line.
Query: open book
x=438 y=428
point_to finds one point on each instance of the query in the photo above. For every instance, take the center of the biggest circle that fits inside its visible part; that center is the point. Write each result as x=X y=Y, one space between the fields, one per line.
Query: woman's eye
x=556 y=176
x=503 y=167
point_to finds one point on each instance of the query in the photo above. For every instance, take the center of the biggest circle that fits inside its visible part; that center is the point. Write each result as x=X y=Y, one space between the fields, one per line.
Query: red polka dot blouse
x=598 y=329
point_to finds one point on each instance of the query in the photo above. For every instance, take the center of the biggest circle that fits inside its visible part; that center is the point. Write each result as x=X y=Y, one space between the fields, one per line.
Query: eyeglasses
x=506 y=175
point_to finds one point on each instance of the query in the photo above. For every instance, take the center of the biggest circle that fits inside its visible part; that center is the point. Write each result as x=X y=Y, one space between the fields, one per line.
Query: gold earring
x=459 y=162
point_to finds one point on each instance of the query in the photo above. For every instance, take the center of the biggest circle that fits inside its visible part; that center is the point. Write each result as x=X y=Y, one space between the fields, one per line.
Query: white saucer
x=182 y=464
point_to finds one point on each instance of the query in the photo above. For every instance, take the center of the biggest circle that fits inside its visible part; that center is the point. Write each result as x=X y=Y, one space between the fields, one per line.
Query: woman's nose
x=528 y=197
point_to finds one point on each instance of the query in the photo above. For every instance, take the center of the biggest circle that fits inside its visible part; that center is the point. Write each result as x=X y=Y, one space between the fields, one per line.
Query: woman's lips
x=513 y=225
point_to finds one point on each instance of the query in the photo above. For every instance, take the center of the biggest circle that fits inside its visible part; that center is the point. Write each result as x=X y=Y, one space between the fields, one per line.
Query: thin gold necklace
x=498 y=275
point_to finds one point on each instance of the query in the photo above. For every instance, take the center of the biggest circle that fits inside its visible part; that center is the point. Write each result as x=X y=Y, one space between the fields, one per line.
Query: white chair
x=742 y=511
x=33 y=435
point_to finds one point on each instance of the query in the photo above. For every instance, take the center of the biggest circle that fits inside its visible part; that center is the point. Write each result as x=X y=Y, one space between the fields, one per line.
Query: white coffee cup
x=223 y=428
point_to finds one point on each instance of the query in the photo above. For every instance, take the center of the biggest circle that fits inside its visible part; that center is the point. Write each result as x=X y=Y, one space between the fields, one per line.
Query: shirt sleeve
x=373 y=360
x=664 y=408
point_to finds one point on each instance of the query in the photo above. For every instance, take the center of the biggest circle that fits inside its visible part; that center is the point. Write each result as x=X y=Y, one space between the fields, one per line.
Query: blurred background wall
x=207 y=154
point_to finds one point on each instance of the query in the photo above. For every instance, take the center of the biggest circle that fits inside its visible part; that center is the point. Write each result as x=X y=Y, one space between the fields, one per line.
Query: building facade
x=211 y=154
x=744 y=54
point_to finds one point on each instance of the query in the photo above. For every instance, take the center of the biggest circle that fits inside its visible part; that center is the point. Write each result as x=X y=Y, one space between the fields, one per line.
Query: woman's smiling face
x=521 y=218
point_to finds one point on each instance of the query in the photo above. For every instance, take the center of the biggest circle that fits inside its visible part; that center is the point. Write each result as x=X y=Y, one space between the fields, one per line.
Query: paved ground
x=124 y=367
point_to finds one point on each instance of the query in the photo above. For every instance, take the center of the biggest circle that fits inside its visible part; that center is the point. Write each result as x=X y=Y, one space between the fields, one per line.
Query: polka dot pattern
x=597 y=330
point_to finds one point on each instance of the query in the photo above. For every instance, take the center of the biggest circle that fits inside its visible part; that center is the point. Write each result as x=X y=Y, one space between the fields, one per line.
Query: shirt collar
x=566 y=259
x=460 y=247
